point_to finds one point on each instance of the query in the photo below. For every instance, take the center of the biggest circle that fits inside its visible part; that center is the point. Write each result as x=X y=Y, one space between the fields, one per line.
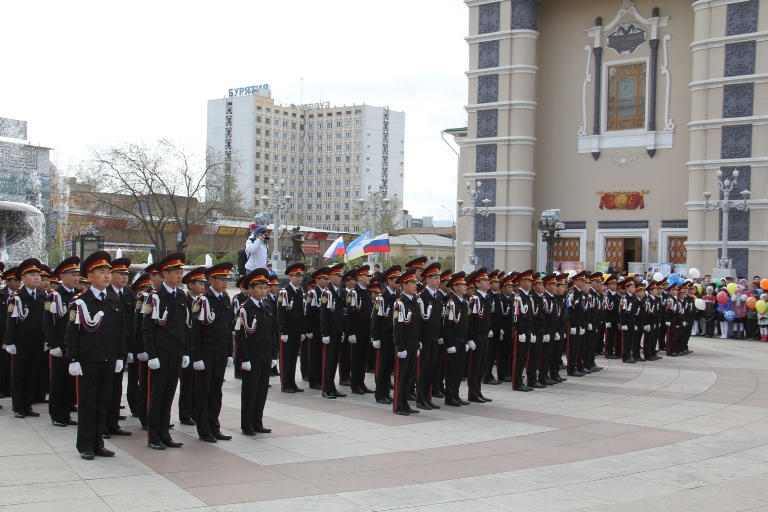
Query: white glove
x=154 y=364
x=303 y=337
x=523 y=338
x=119 y=366
x=533 y=338
x=352 y=339
x=418 y=353
x=11 y=349
x=75 y=369
x=376 y=343
x=573 y=331
x=274 y=363
x=466 y=348
x=623 y=327
x=501 y=333
x=56 y=352
x=581 y=331
x=637 y=328
x=420 y=346
x=184 y=361
x=647 y=328
x=129 y=358
x=284 y=338
x=557 y=337
x=490 y=334
x=46 y=348
x=199 y=365
x=668 y=324
x=546 y=337
x=608 y=325
x=230 y=362
x=440 y=341
x=685 y=323
x=326 y=339
x=309 y=335
x=451 y=350
x=472 y=345
x=4 y=345
x=246 y=366
x=143 y=356
x=403 y=354
x=589 y=327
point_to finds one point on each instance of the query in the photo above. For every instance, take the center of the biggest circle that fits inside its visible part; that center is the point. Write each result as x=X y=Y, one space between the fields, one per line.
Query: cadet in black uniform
x=332 y=329
x=382 y=333
x=524 y=313
x=141 y=287
x=494 y=296
x=577 y=321
x=95 y=350
x=257 y=321
x=627 y=317
x=237 y=335
x=24 y=337
x=314 y=300
x=407 y=337
x=196 y=284
x=438 y=379
x=211 y=351
x=55 y=326
x=166 y=343
x=611 y=306
x=431 y=331
x=12 y=284
x=271 y=298
x=455 y=327
x=358 y=321
x=290 y=318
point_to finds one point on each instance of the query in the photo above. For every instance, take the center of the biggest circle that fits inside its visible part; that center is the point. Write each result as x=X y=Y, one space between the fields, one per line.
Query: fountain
x=22 y=233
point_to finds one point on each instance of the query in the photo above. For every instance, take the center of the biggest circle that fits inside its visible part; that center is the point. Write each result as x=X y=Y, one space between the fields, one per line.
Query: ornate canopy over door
x=676 y=251
x=614 y=253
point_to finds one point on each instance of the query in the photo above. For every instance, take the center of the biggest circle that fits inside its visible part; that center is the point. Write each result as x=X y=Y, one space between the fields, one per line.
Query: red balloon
x=722 y=297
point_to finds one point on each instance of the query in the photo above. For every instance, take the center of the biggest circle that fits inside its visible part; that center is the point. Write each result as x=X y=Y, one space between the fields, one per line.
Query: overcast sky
x=98 y=73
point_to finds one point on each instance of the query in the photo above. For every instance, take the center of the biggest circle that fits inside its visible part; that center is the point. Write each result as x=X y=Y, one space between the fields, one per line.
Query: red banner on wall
x=622 y=200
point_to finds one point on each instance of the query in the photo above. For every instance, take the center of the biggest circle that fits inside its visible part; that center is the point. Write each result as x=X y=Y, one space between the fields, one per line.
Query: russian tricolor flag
x=336 y=249
x=378 y=244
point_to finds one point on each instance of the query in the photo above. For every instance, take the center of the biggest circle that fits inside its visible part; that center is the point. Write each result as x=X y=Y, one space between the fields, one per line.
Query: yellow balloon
x=731 y=288
x=761 y=306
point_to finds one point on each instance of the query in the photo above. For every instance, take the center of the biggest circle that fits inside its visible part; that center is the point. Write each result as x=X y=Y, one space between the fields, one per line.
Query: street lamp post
x=378 y=206
x=550 y=227
x=726 y=204
x=473 y=211
x=277 y=200
x=453 y=240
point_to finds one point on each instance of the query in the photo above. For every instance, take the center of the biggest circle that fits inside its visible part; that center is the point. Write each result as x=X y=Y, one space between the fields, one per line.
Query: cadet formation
x=416 y=335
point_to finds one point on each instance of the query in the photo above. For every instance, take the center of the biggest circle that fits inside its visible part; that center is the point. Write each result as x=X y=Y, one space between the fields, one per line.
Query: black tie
x=102 y=296
x=173 y=293
x=120 y=293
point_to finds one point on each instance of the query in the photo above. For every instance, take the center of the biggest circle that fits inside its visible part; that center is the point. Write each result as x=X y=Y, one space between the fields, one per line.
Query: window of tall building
x=266 y=133
x=626 y=96
x=338 y=159
x=346 y=193
x=329 y=125
x=327 y=195
x=257 y=155
x=258 y=119
x=358 y=122
x=358 y=111
x=258 y=131
x=256 y=190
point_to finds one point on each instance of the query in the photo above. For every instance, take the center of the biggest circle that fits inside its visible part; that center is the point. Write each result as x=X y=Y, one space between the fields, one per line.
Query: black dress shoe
x=344 y=383
x=172 y=444
x=411 y=397
x=423 y=406
x=432 y=404
x=262 y=430
x=453 y=403
x=366 y=390
x=87 y=455
x=486 y=399
x=659 y=357
x=32 y=413
x=383 y=401
x=289 y=390
x=463 y=402
x=561 y=379
x=208 y=439
x=222 y=437
x=438 y=395
x=106 y=435
x=576 y=373
x=188 y=422
x=103 y=452
x=491 y=382
x=249 y=432
x=524 y=389
x=613 y=357
x=121 y=432
x=585 y=371
x=315 y=386
x=298 y=389
x=59 y=423
x=156 y=446
x=506 y=379
x=476 y=399
x=537 y=385
x=43 y=401
x=412 y=410
x=329 y=395
x=630 y=361
x=122 y=418
x=358 y=391
x=402 y=412
x=339 y=395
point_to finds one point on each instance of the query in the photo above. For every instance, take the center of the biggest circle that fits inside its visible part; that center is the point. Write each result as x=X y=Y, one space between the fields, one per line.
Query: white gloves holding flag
x=199 y=365
x=75 y=369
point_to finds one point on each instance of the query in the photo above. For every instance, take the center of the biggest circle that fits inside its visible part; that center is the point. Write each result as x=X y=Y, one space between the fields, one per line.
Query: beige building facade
x=619 y=114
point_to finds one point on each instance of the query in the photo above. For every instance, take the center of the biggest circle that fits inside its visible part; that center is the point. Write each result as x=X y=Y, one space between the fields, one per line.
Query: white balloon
x=694 y=273
x=700 y=304
x=658 y=277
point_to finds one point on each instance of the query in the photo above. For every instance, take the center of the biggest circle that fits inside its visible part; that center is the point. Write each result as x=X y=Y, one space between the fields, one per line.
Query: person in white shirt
x=256 y=249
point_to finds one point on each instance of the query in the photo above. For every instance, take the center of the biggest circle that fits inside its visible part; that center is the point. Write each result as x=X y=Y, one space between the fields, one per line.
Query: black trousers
x=342 y=354
x=493 y=349
x=519 y=360
x=208 y=394
x=132 y=389
x=478 y=361
x=304 y=359
x=253 y=395
x=385 y=365
x=532 y=365
x=573 y=347
x=545 y=356
x=592 y=339
x=289 y=352
x=315 y=360
x=162 y=388
x=405 y=373
x=60 y=396
x=187 y=393
x=556 y=351
x=438 y=376
x=43 y=382
x=94 y=389
x=26 y=363
x=504 y=355
x=613 y=340
x=454 y=368
x=426 y=371
x=143 y=371
x=330 y=361
x=649 y=343
x=359 y=358
x=5 y=373
x=116 y=396
x=237 y=359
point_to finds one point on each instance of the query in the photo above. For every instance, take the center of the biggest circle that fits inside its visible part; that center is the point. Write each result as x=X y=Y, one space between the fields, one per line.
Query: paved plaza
x=682 y=434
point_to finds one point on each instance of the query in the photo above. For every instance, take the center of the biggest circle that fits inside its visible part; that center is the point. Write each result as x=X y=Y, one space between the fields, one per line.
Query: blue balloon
x=672 y=278
x=730 y=316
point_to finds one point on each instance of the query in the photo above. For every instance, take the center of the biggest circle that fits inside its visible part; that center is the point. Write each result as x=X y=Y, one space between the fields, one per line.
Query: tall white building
x=328 y=156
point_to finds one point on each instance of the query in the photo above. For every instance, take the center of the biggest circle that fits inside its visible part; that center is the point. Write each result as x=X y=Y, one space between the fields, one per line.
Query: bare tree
x=386 y=222
x=161 y=187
